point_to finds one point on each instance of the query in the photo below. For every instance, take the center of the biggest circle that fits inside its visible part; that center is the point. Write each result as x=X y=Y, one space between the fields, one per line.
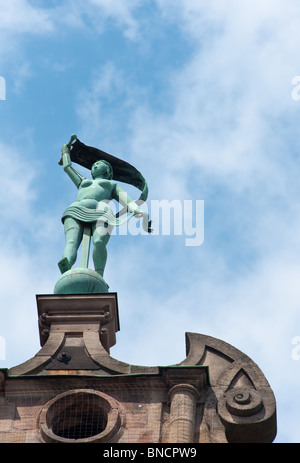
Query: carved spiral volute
x=243 y=402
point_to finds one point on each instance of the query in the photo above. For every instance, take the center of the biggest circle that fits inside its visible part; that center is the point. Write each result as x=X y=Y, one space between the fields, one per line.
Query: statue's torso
x=92 y=191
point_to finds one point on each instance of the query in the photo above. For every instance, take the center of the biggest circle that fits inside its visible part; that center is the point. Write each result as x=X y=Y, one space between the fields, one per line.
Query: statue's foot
x=64 y=265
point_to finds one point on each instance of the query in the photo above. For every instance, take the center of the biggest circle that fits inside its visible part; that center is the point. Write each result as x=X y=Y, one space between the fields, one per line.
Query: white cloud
x=120 y=10
x=29 y=239
x=227 y=96
x=16 y=188
x=19 y=17
x=105 y=84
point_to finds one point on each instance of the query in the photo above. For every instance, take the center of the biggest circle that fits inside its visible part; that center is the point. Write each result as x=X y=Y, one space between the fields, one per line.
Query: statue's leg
x=73 y=237
x=101 y=235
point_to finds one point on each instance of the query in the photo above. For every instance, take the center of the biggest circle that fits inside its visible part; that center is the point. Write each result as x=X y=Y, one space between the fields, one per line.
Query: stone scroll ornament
x=90 y=216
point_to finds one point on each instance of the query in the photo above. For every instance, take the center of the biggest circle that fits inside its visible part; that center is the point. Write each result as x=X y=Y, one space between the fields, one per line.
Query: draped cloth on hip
x=103 y=213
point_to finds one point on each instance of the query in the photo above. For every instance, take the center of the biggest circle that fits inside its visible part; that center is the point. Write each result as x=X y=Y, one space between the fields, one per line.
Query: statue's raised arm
x=75 y=176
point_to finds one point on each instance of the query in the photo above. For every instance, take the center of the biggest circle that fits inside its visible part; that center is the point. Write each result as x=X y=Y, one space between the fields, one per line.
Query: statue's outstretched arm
x=75 y=176
x=123 y=198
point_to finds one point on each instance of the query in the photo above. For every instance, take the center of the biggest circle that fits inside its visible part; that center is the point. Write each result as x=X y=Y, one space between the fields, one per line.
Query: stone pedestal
x=75 y=330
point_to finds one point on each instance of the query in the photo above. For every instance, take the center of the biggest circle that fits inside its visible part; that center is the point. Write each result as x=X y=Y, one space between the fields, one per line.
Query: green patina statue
x=90 y=216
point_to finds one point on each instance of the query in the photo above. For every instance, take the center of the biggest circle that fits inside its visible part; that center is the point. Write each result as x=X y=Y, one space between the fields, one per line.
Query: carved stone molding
x=242 y=397
x=236 y=401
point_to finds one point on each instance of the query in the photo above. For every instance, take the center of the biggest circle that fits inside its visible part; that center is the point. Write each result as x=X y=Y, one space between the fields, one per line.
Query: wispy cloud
x=120 y=11
x=21 y=20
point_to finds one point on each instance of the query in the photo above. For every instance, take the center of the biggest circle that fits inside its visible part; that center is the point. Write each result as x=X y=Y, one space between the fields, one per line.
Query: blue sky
x=198 y=96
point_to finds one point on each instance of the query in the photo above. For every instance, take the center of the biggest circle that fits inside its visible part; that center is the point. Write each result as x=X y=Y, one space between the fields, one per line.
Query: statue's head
x=102 y=169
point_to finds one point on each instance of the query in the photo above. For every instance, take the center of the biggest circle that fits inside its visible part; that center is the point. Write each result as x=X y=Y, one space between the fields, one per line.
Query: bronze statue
x=91 y=205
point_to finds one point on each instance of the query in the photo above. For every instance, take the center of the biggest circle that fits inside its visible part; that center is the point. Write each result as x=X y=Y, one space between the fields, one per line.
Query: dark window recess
x=83 y=418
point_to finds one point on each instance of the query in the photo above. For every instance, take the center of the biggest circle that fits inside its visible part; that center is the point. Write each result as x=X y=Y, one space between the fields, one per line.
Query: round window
x=82 y=416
